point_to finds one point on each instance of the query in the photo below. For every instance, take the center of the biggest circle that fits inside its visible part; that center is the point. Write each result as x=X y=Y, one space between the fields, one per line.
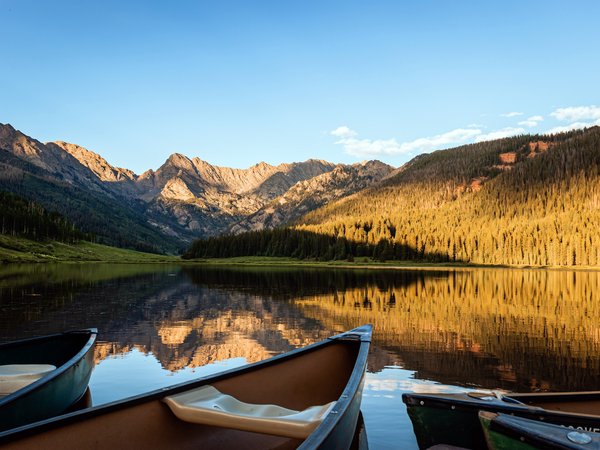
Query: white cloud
x=343 y=132
x=572 y=126
x=499 y=134
x=512 y=114
x=370 y=148
x=577 y=113
x=532 y=121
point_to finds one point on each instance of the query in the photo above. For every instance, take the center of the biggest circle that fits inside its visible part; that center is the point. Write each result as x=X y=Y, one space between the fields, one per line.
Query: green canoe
x=42 y=377
x=452 y=419
x=505 y=432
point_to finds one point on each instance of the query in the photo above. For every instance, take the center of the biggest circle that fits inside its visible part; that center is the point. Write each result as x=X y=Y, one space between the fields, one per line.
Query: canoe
x=504 y=432
x=453 y=418
x=308 y=398
x=43 y=376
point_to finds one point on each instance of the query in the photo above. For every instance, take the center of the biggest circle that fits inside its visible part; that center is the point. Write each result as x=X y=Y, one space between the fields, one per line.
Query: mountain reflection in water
x=493 y=328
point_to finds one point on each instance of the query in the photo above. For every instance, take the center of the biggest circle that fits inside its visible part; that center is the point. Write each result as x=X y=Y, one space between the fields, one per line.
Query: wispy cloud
x=499 y=134
x=378 y=147
x=343 y=132
x=577 y=113
x=532 y=121
x=579 y=116
x=572 y=126
x=512 y=114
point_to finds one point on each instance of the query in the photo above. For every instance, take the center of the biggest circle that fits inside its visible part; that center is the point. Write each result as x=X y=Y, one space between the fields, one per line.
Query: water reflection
x=515 y=329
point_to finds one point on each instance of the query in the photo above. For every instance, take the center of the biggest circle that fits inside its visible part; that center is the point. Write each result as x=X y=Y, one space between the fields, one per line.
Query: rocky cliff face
x=187 y=198
x=207 y=199
x=313 y=193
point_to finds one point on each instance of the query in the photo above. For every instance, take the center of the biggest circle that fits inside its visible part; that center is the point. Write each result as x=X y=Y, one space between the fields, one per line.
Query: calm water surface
x=520 y=330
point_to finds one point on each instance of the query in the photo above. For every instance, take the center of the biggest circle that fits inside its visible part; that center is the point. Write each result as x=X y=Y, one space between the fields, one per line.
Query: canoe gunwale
x=457 y=404
x=530 y=432
x=498 y=426
x=351 y=390
x=50 y=376
x=523 y=410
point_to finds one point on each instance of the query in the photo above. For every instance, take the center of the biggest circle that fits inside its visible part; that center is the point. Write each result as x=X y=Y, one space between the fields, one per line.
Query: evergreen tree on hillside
x=20 y=217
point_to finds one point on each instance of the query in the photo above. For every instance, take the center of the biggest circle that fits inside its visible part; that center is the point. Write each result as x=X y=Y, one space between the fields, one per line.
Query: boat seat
x=208 y=406
x=16 y=376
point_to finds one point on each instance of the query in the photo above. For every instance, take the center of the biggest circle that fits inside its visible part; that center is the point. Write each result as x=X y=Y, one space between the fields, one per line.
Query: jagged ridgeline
x=526 y=200
x=163 y=210
x=21 y=217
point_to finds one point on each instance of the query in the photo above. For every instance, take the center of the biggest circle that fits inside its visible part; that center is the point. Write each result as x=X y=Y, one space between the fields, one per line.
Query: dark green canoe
x=452 y=419
x=505 y=432
x=64 y=363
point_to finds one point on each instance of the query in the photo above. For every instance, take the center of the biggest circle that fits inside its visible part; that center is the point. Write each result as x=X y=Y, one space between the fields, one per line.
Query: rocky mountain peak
x=22 y=146
x=5 y=129
x=261 y=166
x=179 y=161
x=96 y=163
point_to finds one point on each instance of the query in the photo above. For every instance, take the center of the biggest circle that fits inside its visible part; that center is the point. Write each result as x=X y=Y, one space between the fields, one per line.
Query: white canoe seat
x=208 y=406
x=16 y=376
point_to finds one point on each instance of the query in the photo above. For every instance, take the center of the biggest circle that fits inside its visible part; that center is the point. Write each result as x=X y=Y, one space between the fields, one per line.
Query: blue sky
x=235 y=83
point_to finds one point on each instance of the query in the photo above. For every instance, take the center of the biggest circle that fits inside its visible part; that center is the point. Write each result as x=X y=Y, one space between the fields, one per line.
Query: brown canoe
x=308 y=398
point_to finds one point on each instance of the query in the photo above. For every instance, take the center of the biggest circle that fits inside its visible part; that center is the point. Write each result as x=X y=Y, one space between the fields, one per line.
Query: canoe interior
x=55 y=350
x=311 y=378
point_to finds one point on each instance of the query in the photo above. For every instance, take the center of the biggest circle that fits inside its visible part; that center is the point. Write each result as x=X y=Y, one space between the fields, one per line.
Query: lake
x=434 y=330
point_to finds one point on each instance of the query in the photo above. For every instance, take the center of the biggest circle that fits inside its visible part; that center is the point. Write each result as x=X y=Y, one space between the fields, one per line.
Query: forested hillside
x=20 y=217
x=527 y=200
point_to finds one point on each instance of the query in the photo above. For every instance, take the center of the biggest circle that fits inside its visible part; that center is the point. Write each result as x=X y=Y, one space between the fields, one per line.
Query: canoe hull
x=434 y=426
x=452 y=419
x=54 y=393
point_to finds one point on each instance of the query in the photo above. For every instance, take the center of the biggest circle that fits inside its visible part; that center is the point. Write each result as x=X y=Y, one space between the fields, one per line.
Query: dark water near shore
x=520 y=330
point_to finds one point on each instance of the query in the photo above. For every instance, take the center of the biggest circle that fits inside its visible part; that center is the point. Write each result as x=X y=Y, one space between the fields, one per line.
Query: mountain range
x=529 y=200
x=163 y=210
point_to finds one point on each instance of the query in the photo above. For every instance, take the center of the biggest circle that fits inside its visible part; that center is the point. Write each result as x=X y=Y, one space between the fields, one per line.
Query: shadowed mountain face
x=182 y=200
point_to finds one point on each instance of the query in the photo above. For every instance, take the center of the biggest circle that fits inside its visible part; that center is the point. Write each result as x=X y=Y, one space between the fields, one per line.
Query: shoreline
x=16 y=250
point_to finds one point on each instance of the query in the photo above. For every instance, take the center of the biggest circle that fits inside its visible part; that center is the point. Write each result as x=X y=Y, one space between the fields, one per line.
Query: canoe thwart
x=16 y=376
x=208 y=406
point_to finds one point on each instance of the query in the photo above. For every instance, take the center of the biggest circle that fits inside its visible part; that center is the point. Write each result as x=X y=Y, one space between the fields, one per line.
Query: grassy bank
x=21 y=250
x=365 y=263
x=357 y=263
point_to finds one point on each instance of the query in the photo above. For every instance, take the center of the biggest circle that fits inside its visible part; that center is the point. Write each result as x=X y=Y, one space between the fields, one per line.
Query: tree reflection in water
x=514 y=329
